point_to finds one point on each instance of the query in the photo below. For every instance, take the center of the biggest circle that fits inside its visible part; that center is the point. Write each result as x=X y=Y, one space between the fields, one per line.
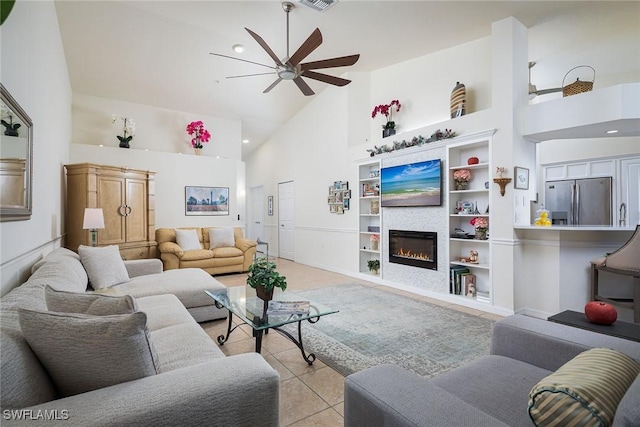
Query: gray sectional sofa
x=193 y=382
x=493 y=391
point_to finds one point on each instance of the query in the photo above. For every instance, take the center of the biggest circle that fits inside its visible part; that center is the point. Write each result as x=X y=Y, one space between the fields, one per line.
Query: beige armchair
x=624 y=261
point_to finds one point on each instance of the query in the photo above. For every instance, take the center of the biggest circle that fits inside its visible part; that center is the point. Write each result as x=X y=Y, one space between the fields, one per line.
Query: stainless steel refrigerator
x=579 y=202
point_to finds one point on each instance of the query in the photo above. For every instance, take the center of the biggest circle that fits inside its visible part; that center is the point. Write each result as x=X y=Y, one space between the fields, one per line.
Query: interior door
x=286 y=225
x=256 y=214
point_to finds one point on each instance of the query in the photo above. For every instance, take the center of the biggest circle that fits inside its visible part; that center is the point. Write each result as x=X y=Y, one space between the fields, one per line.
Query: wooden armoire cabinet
x=127 y=199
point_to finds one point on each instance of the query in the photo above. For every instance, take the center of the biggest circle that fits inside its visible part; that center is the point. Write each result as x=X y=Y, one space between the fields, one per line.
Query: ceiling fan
x=290 y=68
x=533 y=90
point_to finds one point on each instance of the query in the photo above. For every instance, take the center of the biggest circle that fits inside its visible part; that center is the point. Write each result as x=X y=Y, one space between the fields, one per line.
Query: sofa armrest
x=142 y=267
x=170 y=248
x=387 y=395
x=549 y=345
x=238 y=391
x=245 y=244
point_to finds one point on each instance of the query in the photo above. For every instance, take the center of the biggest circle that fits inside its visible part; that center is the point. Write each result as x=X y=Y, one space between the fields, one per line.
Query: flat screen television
x=413 y=184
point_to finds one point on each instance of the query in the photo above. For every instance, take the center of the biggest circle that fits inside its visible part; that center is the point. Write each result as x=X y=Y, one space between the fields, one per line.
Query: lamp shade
x=93 y=218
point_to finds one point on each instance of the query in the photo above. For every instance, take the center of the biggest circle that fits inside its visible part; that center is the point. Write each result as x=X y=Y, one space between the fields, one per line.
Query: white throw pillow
x=221 y=238
x=187 y=240
x=104 y=265
x=83 y=353
x=88 y=303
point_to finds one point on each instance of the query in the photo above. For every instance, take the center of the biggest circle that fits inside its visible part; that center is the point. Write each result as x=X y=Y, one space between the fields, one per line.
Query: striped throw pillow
x=584 y=391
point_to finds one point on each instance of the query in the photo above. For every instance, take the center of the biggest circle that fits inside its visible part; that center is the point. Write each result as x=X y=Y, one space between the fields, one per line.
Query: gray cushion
x=104 y=265
x=187 y=239
x=188 y=284
x=162 y=311
x=88 y=303
x=221 y=237
x=83 y=353
x=171 y=351
x=496 y=385
x=585 y=391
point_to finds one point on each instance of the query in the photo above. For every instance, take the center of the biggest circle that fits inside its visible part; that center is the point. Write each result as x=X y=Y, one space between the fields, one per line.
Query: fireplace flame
x=414 y=255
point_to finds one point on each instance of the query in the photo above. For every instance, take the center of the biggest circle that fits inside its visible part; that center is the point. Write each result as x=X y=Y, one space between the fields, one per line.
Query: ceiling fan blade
x=243 y=60
x=309 y=45
x=272 y=85
x=326 y=78
x=304 y=87
x=265 y=46
x=343 y=61
x=249 y=75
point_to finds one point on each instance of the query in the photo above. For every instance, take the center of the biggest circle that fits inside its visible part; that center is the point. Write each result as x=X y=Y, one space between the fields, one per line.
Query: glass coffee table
x=242 y=302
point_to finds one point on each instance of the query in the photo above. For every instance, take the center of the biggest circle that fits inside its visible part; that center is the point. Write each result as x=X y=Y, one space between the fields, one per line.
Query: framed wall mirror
x=16 y=160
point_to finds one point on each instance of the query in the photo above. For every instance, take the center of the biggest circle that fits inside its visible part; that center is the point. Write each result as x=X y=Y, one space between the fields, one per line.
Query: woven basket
x=578 y=86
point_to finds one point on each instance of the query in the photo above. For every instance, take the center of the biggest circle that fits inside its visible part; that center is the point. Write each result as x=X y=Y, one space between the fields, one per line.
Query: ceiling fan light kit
x=319 y=5
x=291 y=68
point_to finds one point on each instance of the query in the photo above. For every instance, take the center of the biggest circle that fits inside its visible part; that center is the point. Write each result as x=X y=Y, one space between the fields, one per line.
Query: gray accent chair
x=489 y=392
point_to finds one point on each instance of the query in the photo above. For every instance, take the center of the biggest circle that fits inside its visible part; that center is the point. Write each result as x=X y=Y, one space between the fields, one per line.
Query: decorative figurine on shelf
x=501 y=180
x=473 y=256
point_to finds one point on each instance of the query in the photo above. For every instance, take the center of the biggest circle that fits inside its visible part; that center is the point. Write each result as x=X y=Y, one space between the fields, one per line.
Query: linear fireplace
x=416 y=248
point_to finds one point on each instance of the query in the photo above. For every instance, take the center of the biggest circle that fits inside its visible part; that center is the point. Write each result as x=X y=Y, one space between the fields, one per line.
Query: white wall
x=157 y=129
x=35 y=73
x=173 y=173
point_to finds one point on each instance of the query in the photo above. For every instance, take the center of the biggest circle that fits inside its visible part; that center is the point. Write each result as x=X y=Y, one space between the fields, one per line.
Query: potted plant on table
x=263 y=277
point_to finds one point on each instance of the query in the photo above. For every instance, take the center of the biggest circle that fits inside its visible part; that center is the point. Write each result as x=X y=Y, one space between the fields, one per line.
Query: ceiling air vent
x=319 y=5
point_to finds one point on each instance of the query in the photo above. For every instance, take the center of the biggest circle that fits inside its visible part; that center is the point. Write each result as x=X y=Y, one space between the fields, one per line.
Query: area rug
x=375 y=326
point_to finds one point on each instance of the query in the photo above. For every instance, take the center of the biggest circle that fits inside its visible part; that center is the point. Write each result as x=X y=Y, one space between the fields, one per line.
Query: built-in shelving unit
x=469 y=256
x=370 y=238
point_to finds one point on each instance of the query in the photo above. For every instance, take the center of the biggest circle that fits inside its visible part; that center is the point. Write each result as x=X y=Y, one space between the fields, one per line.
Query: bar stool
x=624 y=261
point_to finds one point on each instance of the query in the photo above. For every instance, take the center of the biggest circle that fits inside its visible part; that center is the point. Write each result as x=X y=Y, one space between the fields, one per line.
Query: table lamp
x=93 y=219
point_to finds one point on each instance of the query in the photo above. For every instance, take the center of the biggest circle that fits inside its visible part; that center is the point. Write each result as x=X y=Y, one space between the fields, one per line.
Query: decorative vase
x=374 y=245
x=197 y=151
x=263 y=294
x=124 y=144
x=473 y=161
x=481 y=234
x=388 y=132
x=458 y=100
x=374 y=272
x=462 y=185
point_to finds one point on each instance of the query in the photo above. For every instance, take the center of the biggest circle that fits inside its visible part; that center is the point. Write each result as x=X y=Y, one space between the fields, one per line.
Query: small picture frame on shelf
x=522 y=178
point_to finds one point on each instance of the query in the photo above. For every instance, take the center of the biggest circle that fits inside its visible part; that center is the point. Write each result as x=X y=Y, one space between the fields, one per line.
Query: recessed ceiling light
x=238 y=48
x=612 y=131
x=245 y=141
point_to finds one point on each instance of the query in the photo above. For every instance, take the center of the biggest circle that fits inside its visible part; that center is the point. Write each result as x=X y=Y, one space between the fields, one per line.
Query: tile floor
x=314 y=394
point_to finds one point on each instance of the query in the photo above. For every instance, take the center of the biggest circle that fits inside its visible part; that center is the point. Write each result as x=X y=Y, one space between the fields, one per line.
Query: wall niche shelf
x=469 y=258
x=369 y=216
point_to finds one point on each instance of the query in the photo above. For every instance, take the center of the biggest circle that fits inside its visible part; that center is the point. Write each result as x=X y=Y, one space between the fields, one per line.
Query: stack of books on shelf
x=462 y=281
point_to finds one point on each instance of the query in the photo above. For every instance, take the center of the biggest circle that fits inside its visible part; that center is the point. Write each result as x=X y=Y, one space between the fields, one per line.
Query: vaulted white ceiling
x=157 y=52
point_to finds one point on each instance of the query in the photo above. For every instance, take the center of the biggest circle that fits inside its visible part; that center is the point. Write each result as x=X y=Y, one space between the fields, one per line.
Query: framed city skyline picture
x=199 y=201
